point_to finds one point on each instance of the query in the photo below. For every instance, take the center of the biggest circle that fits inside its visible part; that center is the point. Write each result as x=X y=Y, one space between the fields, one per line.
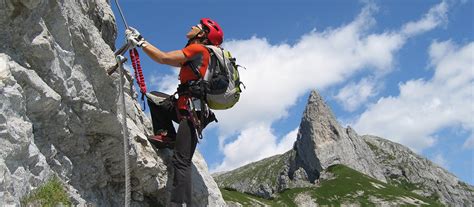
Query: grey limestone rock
x=205 y=189
x=400 y=164
x=58 y=110
x=303 y=199
x=22 y=165
x=233 y=204
x=269 y=176
x=322 y=142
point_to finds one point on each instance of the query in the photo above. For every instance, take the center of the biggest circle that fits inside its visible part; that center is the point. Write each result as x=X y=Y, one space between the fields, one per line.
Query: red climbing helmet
x=215 y=34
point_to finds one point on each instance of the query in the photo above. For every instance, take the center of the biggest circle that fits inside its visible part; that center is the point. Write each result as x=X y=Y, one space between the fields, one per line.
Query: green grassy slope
x=263 y=171
x=348 y=186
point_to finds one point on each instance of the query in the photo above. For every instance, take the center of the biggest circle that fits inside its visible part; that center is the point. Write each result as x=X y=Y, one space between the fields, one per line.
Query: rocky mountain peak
x=317 y=108
x=319 y=117
x=323 y=142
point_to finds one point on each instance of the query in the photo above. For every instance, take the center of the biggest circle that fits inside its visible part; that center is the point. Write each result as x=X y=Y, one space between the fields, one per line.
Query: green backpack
x=223 y=79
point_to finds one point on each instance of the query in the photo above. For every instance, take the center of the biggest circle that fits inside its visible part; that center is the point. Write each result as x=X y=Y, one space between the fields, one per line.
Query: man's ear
x=202 y=34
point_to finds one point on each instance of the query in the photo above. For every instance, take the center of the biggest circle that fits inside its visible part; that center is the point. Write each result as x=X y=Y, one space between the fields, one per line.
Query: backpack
x=222 y=78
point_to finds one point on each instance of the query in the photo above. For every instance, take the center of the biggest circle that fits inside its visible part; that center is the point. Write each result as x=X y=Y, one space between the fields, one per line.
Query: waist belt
x=194 y=88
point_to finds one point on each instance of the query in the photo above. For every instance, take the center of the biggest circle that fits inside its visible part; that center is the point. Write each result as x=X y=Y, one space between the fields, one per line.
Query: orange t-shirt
x=198 y=56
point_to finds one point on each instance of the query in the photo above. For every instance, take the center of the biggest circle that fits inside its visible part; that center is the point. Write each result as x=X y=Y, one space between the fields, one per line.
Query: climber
x=194 y=58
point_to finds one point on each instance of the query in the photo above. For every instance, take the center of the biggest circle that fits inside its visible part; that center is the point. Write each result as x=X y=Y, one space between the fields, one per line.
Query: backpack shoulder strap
x=195 y=69
x=218 y=52
x=214 y=62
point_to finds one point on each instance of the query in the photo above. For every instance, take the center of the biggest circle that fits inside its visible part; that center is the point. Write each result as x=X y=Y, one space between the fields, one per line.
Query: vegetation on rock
x=52 y=193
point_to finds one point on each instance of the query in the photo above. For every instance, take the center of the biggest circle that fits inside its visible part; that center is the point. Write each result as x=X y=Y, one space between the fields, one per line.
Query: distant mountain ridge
x=322 y=142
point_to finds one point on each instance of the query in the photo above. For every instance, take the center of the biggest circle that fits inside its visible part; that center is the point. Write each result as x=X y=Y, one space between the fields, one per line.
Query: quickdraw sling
x=135 y=58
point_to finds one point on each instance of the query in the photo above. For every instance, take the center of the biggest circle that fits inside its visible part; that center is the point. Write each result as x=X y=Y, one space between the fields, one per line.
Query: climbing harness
x=197 y=109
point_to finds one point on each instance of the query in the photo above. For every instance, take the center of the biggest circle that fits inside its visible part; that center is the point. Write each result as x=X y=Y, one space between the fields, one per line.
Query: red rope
x=138 y=70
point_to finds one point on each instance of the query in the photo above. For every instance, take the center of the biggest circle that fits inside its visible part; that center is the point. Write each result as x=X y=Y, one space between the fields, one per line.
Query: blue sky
x=402 y=70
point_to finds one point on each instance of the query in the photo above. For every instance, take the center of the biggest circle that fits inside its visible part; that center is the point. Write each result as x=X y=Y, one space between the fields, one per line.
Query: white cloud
x=278 y=74
x=286 y=143
x=424 y=107
x=354 y=95
x=166 y=84
x=436 y=16
x=254 y=144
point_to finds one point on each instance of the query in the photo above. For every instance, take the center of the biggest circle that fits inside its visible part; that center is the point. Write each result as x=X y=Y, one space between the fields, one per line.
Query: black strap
x=196 y=88
x=212 y=65
x=143 y=100
x=194 y=69
x=213 y=62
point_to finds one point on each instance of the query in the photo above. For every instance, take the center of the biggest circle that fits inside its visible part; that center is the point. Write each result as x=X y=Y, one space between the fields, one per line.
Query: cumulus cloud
x=279 y=74
x=166 y=84
x=436 y=16
x=253 y=144
x=424 y=107
x=354 y=95
x=287 y=142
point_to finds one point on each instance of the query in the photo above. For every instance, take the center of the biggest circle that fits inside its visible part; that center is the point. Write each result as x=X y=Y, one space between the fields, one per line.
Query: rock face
x=58 y=111
x=401 y=165
x=322 y=143
x=320 y=136
x=268 y=176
